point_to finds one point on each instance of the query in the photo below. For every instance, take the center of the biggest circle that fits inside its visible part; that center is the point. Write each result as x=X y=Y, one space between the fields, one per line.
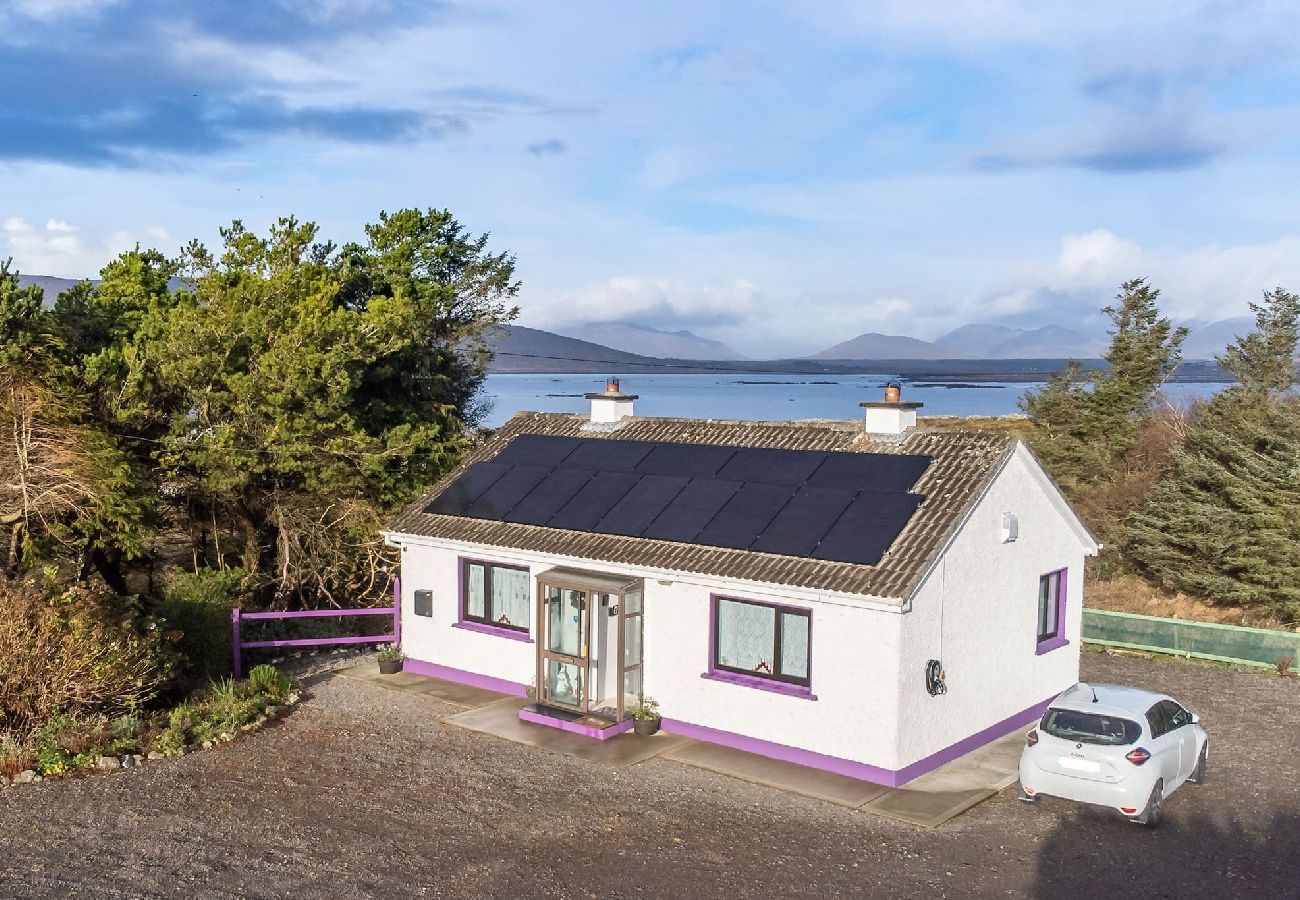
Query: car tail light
x=1137 y=756
x=1128 y=810
x=1031 y=738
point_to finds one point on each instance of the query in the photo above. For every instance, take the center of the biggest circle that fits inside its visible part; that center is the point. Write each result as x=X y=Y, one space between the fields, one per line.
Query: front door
x=565 y=652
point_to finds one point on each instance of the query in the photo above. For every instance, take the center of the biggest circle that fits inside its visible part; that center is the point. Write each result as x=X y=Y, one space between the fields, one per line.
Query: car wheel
x=1150 y=817
x=1198 y=774
x=1022 y=796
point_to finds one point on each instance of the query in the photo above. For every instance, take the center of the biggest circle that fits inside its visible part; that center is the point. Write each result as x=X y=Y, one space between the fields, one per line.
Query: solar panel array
x=847 y=507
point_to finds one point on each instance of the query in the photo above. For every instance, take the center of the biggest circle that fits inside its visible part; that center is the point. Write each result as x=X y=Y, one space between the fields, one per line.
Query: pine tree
x=1263 y=362
x=1224 y=522
x=1085 y=423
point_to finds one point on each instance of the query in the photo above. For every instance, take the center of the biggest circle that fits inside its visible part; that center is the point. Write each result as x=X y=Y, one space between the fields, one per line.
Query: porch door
x=564 y=652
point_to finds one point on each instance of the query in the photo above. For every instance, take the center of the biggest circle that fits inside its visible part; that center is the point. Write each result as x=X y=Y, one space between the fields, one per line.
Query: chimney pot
x=890 y=418
x=610 y=406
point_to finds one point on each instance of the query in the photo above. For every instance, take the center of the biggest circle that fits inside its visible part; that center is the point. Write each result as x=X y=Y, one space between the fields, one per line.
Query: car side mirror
x=1194 y=718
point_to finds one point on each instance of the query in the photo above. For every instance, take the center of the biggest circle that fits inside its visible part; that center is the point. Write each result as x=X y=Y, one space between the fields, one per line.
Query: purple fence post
x=234 y=642
x=397 y=610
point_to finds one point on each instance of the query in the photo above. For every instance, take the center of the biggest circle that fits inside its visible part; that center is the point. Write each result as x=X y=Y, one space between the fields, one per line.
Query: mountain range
x=648 y=341
x=604 y=343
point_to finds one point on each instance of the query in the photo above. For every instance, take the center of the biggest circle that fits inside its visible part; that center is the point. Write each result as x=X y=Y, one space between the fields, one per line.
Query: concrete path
x=928 y=801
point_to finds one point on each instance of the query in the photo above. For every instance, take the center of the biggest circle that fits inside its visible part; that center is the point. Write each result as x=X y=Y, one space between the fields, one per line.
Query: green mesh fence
x=1225 y=643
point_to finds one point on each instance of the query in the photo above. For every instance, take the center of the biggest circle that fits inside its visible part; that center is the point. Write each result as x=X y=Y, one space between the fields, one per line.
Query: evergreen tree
x=1263 y=362
x=1224 y=522
x=1086 y=422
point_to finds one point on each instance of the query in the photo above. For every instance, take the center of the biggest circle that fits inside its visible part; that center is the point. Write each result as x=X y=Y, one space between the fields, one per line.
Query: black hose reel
x=934 y=678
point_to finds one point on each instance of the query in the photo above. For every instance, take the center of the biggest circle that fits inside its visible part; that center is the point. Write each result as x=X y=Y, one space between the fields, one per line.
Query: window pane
x=474 y=591
x=746 y=636
x=631 y=688
x=632 y=602
x=794 y=645
x=564 y=621
x=510 y=597
x=1047 y=624
x=563 y=682
x=632 y=641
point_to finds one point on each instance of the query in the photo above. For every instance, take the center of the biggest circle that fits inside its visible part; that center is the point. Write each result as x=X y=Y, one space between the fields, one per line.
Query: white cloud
x=1197 y=285
x=63 y=250
x=651 y=301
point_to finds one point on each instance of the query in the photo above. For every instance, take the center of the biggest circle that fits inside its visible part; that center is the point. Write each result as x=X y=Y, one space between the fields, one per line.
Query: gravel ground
x=363 y=792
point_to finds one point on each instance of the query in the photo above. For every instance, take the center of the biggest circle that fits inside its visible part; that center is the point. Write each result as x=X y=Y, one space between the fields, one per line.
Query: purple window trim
x=852 y=768
x=1056 y=640
x=462 y=563
x=761 y=684
x=1050 y=644
x=507 y=633
x=801 y=690
x=460 y=676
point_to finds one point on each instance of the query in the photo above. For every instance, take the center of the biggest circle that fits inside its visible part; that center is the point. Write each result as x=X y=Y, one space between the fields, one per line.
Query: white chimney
x=890 y=417
x=611 y=405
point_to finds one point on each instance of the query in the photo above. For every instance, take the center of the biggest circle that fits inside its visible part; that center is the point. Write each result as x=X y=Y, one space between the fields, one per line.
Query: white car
x=1114 y=746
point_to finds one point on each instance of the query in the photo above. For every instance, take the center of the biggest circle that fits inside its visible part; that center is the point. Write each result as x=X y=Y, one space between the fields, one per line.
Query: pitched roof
x=962 y=463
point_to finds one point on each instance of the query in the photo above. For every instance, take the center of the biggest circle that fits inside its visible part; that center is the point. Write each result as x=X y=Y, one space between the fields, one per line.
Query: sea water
x=768 y=397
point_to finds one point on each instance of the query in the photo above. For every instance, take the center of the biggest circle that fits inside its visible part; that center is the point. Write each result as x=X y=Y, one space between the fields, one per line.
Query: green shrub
x=268 y=680
x=223 y=706
x=198 y=605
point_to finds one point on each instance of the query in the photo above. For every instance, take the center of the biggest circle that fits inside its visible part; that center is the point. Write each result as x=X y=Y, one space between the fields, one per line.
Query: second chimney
x=890 y=417
x=611 y=405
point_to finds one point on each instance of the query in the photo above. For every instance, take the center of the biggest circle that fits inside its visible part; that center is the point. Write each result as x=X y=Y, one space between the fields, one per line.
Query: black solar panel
x=608 y=456
x=467 y=488
x=691 y=510
x=647 y=499
x=847 y=507
x=746 y=515
x=772 y=466
x=867 y=527
x=507 y=491
x=889 y=472
x=593 y=500
x=690 y=460
x=545 y=500
x=803 y=521
x=538 y=450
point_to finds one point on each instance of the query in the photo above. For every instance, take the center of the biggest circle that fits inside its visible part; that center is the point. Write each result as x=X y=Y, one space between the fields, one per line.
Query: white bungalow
x=873 y=601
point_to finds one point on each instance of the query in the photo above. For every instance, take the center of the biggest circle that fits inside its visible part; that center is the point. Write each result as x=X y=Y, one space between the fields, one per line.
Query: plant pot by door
x=646 y=727
x=390 y=666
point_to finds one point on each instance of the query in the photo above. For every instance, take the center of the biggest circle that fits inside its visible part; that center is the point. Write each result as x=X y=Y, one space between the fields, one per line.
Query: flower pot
x=646 y=727
x=390 y=666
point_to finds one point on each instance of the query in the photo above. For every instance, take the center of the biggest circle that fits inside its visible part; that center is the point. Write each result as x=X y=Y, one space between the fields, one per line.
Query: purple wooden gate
x=238 y=644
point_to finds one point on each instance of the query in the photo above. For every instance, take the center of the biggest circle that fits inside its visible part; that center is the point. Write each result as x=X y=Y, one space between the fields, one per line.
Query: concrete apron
x=928 y=801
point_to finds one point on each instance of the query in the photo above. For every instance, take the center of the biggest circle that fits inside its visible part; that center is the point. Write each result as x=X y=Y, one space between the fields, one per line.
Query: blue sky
x=780 y=177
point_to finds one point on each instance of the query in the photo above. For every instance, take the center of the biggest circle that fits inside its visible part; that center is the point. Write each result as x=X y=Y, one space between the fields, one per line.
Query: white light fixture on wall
x=1010 y=528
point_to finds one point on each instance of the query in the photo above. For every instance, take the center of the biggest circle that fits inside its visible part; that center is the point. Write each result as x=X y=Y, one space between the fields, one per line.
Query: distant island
x=522 y=350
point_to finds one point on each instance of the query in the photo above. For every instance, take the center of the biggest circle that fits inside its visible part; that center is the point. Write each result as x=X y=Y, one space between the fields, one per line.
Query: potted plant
x=645 y=717
x=390 y=659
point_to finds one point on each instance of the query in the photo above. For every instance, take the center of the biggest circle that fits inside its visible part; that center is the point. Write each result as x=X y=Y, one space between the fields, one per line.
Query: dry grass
x=1131 y=594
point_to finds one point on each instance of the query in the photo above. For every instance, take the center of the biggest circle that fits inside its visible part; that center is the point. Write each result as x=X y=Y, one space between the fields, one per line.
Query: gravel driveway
x=362 y=792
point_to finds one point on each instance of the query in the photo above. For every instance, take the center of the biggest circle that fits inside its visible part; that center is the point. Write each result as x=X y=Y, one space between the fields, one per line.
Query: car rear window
x=1090 y=728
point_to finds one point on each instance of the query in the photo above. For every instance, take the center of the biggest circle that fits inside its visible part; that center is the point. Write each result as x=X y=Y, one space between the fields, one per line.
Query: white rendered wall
x=434 y=639
x=978 y=614
x=854 y=650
